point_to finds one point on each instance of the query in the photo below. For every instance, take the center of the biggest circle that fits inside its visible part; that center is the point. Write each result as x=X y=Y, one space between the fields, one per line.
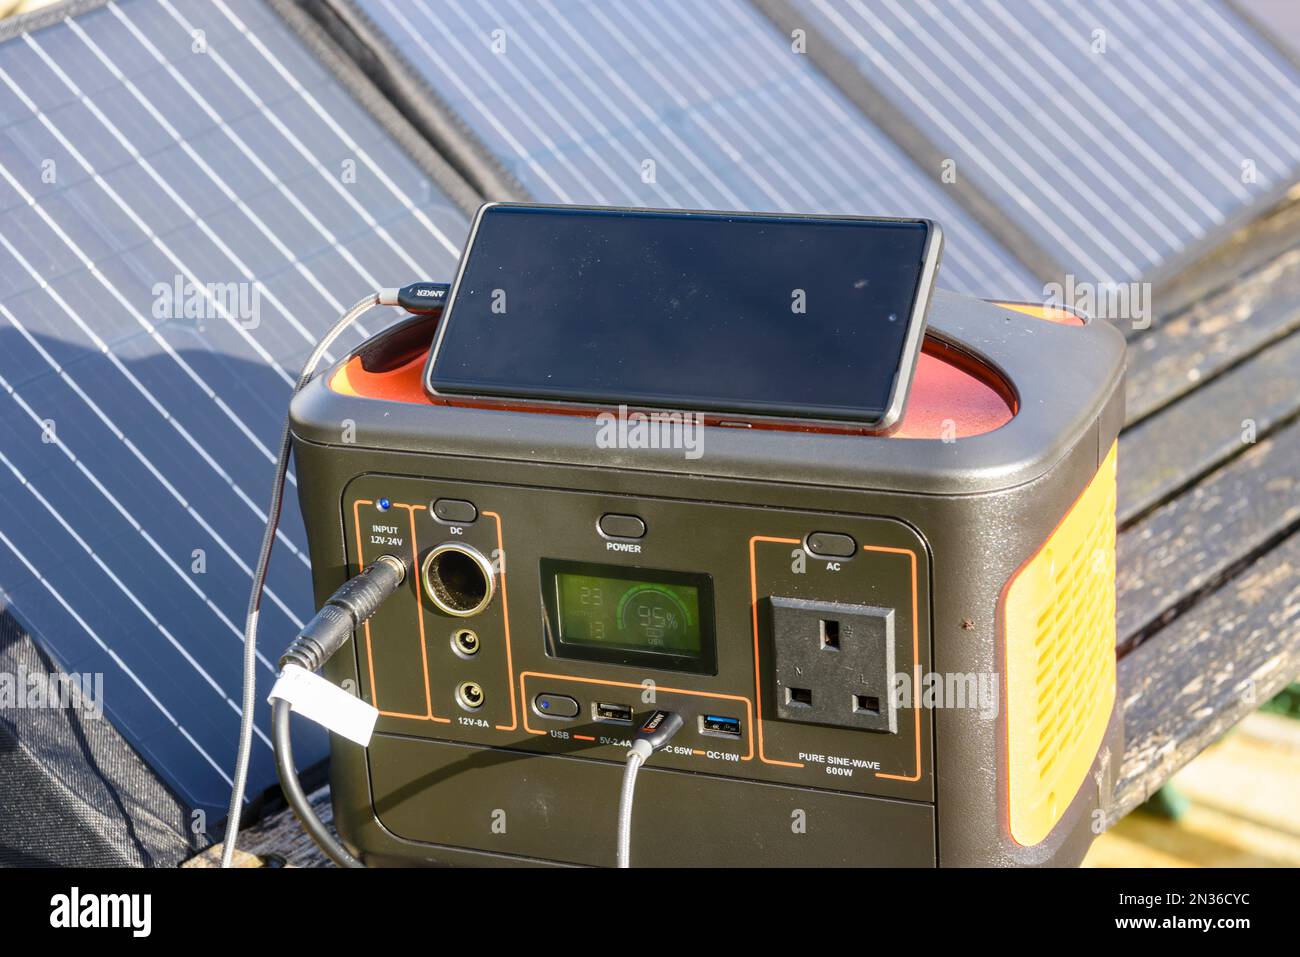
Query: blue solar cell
x=1121 y=137
x=674 y=104
x=139 y=429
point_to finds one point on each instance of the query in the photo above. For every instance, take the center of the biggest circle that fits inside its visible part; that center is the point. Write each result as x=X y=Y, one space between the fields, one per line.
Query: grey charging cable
x=420 y=297
x=655 y=732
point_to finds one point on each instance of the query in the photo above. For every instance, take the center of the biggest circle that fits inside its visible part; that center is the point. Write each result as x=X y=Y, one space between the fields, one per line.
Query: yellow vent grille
x=1059 y=630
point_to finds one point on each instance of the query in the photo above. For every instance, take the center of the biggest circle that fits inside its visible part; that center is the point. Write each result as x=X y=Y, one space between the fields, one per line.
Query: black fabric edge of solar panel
x=112 y=808
x=868 y=100
x=354 y=34
x=45 y=17
x=1219 y=269
x=304 y=20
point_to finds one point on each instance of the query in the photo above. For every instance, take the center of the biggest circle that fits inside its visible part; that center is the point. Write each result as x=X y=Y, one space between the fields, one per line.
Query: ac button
x=831 y=545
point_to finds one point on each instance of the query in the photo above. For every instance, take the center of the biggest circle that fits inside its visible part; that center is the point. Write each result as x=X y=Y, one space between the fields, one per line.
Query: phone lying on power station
x=755 y=316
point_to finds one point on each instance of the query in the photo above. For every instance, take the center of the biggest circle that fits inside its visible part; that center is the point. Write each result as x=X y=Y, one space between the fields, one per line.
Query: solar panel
x=673 y=104
x=1124 y=138
x=189 y=199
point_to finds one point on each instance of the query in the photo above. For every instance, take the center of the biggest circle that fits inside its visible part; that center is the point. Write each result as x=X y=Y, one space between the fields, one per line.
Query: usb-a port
x=607 y=711
x=720 y=725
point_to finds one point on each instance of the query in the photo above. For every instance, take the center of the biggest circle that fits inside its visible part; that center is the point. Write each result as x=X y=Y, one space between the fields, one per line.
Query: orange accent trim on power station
x=758 y=668
x=1058 y=619
x=953 y=395
x=1058 y=314
x=505 y=620
x=916 y=663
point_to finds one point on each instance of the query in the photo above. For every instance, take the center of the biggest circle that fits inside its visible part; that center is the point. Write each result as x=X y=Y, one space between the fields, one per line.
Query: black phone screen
x=772 y=315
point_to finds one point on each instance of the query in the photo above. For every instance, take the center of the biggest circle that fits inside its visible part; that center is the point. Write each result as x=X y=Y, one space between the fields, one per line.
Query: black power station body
x=776 y=587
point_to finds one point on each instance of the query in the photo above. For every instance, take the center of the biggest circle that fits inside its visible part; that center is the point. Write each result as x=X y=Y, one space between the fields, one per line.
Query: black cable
x=293 y=792
x=345 y=611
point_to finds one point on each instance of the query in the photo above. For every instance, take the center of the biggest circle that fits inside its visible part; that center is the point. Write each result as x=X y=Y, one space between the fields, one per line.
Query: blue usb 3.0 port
x=720 y=725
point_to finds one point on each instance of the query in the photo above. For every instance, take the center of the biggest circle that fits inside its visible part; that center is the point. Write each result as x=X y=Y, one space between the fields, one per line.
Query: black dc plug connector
x=344 y=612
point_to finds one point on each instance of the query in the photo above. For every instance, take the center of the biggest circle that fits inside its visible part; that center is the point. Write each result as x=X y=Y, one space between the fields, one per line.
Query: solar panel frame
x=355 y=36
x=89 y=561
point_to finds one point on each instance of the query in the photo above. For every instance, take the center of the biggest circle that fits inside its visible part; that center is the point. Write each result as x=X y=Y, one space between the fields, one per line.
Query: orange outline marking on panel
x=749 y=705
x=505 y=618
x=916 y=663
x=370 y=657
x=758 y=674
x=419 y=617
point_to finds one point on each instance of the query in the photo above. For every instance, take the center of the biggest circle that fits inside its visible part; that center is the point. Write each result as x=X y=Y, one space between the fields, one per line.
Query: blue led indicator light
x=383 y=504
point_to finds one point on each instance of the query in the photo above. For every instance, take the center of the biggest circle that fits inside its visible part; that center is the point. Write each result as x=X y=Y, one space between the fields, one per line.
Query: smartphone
x=763 y=316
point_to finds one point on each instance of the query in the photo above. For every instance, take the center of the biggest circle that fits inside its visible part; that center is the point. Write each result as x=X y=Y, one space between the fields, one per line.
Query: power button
x=613 y=525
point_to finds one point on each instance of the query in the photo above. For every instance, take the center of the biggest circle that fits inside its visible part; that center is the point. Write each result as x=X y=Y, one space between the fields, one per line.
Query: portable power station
x=791 y=574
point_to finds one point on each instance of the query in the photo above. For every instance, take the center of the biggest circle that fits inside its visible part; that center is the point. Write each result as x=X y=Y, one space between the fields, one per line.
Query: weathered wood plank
x=1254 y=244
x=277 y=840
x=1180 y=354
x=1240 y=811
x=1173 y=448
x=1187 y=544
x=1203 y=673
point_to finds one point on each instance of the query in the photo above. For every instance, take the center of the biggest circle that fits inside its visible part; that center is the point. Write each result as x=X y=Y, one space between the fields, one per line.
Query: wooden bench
x=1209 y=508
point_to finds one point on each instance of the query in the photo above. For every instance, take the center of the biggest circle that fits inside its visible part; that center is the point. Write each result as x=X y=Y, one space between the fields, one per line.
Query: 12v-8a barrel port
x=465 y=642
x=458 y=579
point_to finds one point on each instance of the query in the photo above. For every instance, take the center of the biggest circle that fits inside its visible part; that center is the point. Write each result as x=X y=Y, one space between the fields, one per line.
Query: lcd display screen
x=630 y=615
x=809 y=316
x=644 y=615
